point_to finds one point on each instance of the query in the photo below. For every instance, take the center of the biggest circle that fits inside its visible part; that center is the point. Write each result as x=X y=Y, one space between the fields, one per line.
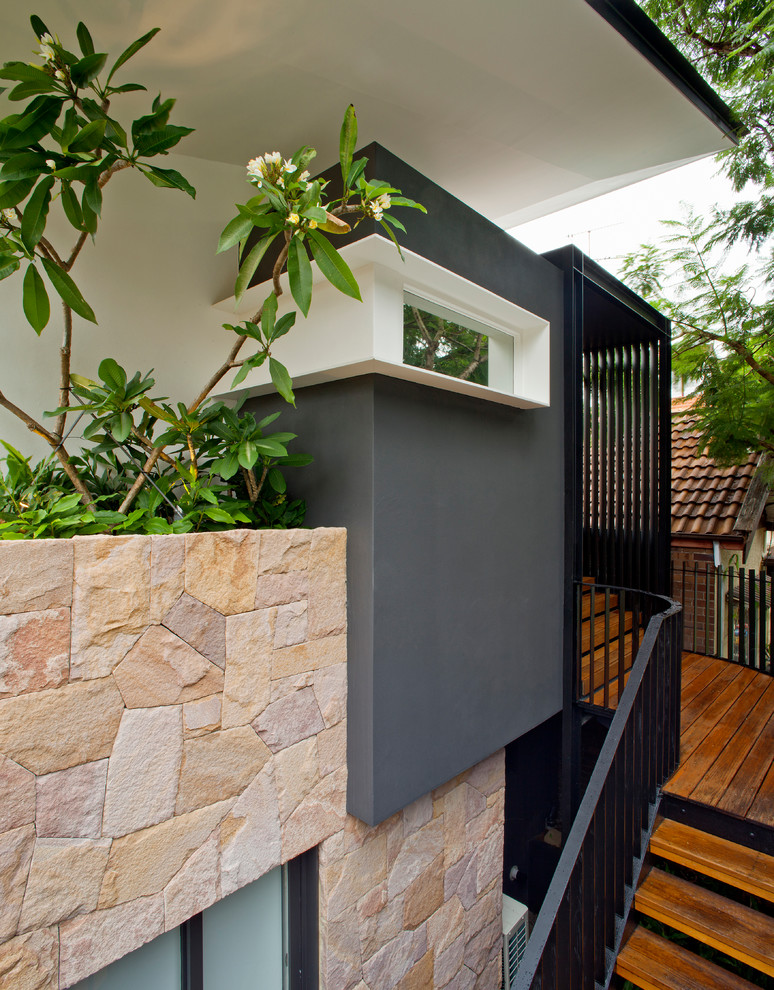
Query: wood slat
x=732 y=928
x=748 y=779
x=598 y=628
x=652 y=963
x=726 y=861
x=756 y=703
x=692 y=665
x=695 y=702
x=599 y=603
x=762 y=808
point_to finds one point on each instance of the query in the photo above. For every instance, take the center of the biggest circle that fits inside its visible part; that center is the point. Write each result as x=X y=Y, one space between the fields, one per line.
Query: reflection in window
x=435 y=343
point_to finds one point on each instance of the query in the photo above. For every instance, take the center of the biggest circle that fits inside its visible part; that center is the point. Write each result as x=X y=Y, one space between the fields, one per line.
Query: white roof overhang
x=516 y=107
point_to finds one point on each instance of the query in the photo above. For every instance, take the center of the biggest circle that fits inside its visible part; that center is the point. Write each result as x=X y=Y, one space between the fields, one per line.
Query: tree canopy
x=723 y=311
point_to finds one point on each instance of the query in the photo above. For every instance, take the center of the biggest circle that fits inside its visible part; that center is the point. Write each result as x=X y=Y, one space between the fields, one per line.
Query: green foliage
x=437 y=344
x=723 y=314
x=64 y=145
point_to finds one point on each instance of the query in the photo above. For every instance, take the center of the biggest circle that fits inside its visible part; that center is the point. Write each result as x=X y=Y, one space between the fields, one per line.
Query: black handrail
x=579 y=927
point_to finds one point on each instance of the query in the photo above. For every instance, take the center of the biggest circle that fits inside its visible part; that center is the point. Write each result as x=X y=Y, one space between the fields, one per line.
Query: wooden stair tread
x=653 y=963
x=732 y=928
x=726 y=861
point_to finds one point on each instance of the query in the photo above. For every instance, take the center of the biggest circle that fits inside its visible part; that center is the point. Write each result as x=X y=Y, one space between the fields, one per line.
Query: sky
x=609 y=226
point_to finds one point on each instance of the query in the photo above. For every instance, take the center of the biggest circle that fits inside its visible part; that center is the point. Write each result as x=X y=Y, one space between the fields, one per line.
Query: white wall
x=151 y=279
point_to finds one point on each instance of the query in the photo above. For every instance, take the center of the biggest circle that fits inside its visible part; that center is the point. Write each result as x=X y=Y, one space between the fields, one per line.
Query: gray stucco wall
x=456 y=561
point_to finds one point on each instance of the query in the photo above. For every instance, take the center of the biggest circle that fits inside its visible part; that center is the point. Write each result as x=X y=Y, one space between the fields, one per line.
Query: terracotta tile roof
x=705 y=498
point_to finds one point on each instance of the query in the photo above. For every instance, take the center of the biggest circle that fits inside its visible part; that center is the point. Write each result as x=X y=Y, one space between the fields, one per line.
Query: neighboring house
x=721 y=518
x=260 y=823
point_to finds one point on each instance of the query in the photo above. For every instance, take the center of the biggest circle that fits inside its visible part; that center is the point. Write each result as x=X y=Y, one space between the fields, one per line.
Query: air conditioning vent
x=515 y=933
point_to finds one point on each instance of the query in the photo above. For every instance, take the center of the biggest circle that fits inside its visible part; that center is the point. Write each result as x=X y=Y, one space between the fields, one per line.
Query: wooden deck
x=727 y=739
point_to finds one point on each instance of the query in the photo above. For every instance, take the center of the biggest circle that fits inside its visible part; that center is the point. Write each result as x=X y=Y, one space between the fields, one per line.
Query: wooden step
x=599 y=603
x=653 y=963
x=594 y=632
x=732 y=928
x=726 y=861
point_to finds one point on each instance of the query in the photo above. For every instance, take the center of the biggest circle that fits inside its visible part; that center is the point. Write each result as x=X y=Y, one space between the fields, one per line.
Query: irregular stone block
x=486 y=911
x=91 y=942
x=17 y=795
x=34 y=651
x=490 y=861
x=35 y=575
x=162 y=669
x=218 y=766
x=448 y=962
x=221 y=569
x=465 y=979
x=420 y=976
x=167 y=577
x=328 y=583
x=390 y=964
x=380 y=928
x=284 y=550
x=202 y=716
x=418 y=852
x=330 y=688
x=31 y=962
x=70 y=802
x=320 y=814
x=489 y=775
x=195 y=887
x=417 y=814
x=247 y=686
x=200 y=626
x=62 y=727
x=332 y=748
x=308 y=656
x=287 y=685
x=291 y=625
x=15 y=855
x=250 y=835
x=446 y=925
x=296 y=771
x=340 y=960
x=143 y=769
x=144 y=862
x=111 y=601
x=355 y=875
x=279 y=589
x=481 y=948
x=64 y=880
x=289 y=720
x=424 y=895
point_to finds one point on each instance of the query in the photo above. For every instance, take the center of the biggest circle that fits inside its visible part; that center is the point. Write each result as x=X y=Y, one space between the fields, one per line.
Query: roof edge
x=638 y=29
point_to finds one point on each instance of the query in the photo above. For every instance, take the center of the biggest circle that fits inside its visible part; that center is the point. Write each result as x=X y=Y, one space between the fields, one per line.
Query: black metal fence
x=579 y=927
x=727 y=612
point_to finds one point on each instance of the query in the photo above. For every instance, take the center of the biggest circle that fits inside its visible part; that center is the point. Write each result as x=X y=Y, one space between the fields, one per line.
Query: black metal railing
x=578 y=930
x=727 y=612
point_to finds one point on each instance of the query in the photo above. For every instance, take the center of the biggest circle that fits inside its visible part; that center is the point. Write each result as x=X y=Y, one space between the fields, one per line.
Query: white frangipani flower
x=288 y=167
x=293 y=218
x=59 y=74
x=304 y=176
x=9 y=216
x=383 y=201
x=51 y=163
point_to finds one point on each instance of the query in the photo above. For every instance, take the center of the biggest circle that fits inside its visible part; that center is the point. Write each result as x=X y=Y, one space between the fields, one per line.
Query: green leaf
x=38 y=26
x=121 y=426
x=300 y=274
x=90 y=218
x=92 y=196
x=12 y=193
x=393 y=238
x=282 y=380
x=236 y=230
x=8 y=265
x=252 y=362
x=84 y=39
x=160 y=141
x=356 y=171
x=88 y=68
x=403 y=201
x=68 y=291
x=129 y=88
x=35 y=212
x=315 y=213
x=170 y=179
x=333 y=266
x=393 y=222
x=25 y=166
x=250 y=264
x=27 y=89
x=37 y=308
x=269 y=314
x=23 y=130
x=132 y=50
x=71 y=206
x=247 y=454
x=347 y=141
x=24 y=72
x=277 y=481
x=112 y=374
x=89 y=138
x=283 y=324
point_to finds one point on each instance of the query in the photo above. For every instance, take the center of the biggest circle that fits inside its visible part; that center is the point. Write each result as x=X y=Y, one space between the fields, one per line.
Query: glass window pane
x=242 y=936
x=155 y=966
x=436 y=344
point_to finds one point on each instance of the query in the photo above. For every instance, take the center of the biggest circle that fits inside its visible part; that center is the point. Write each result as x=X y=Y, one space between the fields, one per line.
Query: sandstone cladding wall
x=172 y=727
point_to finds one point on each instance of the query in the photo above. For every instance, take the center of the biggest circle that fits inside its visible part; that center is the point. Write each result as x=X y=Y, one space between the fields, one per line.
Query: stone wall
x=172 y=727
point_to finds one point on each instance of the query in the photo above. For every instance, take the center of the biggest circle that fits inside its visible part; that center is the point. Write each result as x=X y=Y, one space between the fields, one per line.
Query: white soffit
x=514 y=106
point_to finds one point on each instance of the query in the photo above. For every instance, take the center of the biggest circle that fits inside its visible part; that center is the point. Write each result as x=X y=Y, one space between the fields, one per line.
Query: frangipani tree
x=61 y=150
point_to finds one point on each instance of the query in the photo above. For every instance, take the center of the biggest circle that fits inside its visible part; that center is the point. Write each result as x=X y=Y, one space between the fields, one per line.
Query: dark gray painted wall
x=455 y=512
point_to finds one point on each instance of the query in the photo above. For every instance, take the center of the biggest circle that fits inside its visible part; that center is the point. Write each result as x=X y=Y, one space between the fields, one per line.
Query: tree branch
x=64 y=368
